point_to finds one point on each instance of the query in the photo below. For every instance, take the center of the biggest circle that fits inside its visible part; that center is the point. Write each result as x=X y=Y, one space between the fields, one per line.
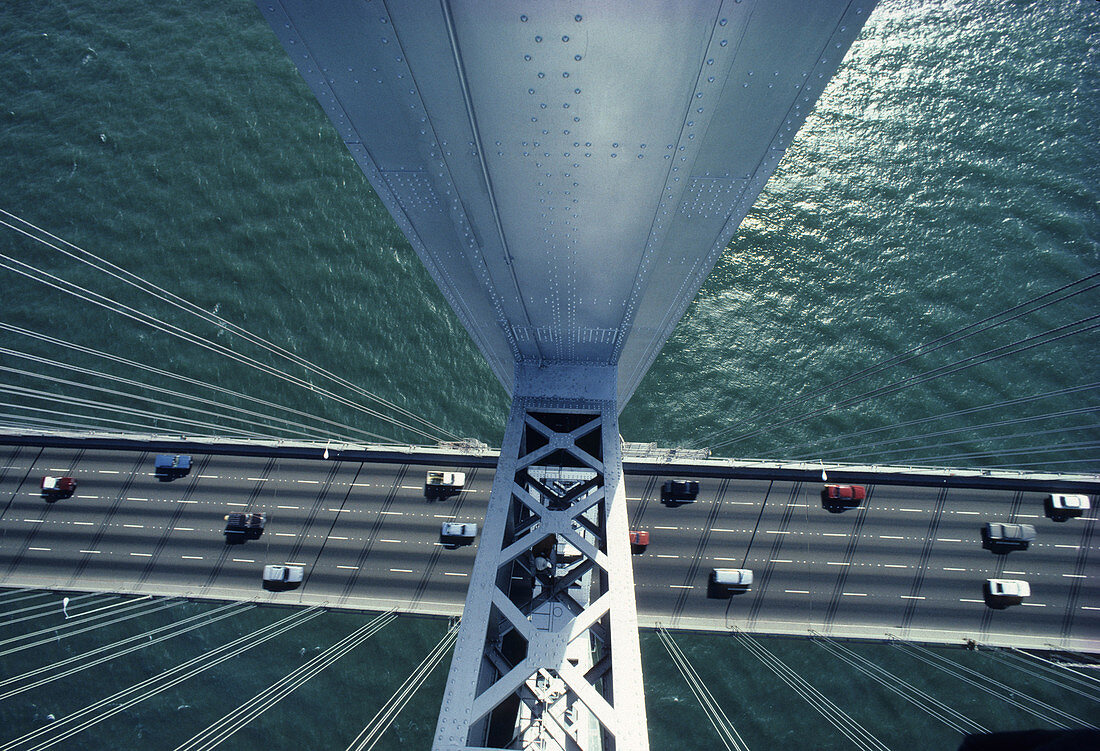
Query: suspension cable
x=951 y=368
x=1030 y=434
x=184 y=379
x=123 y=647
x=103 y=709
x=176 y=406
x=55 y=282
x=187 y=306
x=372 y=733
x=949 y=338
x=222 y=729
x=943 y=416
x=107 y=407
x=1082 y=446
x=728 y=734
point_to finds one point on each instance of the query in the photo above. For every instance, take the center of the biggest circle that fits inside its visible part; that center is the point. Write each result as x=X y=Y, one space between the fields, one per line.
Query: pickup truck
x=242 y=527
x=1062 y=506
x=58 y=487
x=442 y=484
x=168 y=467
x=457 y=533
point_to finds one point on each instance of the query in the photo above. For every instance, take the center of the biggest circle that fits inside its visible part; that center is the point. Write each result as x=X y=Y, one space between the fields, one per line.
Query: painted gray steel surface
x=568 y=172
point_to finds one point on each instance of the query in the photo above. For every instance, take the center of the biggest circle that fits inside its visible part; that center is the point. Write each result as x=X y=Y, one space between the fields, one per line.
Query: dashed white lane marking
x=1075 y=576
x=360 y=484
x=342 y=510
x=309 y=482
x=633 y=499
x=741 y=503
x=797 y=591
x=236 y=504
x=890 y=537
x=681 y=586
x=412 y=487
x=895 y=565
x=35 y=521
x=392 y=513
x=210 y=477
x=853 y=594
x=401 y=570
x=726 y=559
x=837 y=563
x=244 y=560
x=444 y=516
x=912 y=597
x=782 y=560
x=85 y=524
x=947 y=539
x=949 y=568
x=349 y=568
x=665 y=555
x=1015 y=573
x=912 y=510
x=109 y=472
x=290 y=507
x=397 y=541
x=776 y=532
x=336 y=537
x=285 y=534
x=192 y=557
x=1088 y=607
x=833 y=534
x=188 y=501
x=296 y=563
x=1034 y=604
x=137 y=499
x=1071 y=547
x=88 y=497
x=93 y=552
x=1028 y=516
x=716 y=530
x=142 y=555
x=183 y=529
x=256 y=479
x=134 y=526
x=44 y=550
x=454 y=573
x=963 y=599
x=968 y=513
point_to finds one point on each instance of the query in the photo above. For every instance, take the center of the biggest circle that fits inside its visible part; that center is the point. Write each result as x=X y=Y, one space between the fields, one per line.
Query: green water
x=951 y=170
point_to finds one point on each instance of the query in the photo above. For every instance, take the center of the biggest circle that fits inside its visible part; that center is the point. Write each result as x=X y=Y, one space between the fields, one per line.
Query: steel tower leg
x=547 y=655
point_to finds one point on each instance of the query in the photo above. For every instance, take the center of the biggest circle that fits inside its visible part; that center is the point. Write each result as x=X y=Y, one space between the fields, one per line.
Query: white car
x=732 y=577
x=283 y=574
x=1060 y=505
x=464 y=531
x=1010 y=589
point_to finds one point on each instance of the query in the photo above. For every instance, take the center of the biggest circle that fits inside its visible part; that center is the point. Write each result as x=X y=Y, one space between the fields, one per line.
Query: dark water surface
x=950 y=171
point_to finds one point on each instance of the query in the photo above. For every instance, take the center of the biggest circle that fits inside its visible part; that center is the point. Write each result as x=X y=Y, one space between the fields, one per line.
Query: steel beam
x=547 y=655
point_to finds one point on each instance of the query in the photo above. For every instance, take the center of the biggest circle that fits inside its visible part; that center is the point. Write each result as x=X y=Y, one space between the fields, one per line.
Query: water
x=950 y=171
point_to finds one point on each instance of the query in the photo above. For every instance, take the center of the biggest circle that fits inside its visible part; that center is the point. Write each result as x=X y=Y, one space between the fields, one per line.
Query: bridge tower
x=568 y=172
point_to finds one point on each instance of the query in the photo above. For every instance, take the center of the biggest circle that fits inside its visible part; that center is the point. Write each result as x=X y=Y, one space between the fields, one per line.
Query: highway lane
x=907 y=563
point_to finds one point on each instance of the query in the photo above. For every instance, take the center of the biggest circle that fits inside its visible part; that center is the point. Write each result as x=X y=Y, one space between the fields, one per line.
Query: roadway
x=908 y=563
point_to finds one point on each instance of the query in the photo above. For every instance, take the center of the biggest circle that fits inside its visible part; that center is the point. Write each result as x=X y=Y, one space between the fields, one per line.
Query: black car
x=679 y=491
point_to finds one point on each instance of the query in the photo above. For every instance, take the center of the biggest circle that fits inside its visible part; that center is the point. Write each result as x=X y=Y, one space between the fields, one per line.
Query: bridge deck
x=908 y=564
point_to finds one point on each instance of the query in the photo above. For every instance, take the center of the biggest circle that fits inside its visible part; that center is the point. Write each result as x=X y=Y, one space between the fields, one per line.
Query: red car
x=845 y=492
x=639 y=539
x=58 y=487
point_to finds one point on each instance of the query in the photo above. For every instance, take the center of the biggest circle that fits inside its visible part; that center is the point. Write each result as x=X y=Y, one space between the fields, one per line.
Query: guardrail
x=643 y=459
